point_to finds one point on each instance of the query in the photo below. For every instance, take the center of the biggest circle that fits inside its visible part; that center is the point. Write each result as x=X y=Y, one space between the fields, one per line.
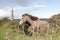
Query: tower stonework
x=12 y=15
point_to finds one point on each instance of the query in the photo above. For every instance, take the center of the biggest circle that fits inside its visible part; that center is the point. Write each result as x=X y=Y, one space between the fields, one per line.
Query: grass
x=1 y=35
x=9 y=33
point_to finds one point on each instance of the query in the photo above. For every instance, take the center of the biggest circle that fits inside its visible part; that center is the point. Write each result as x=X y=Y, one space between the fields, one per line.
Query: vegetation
x=8 y=31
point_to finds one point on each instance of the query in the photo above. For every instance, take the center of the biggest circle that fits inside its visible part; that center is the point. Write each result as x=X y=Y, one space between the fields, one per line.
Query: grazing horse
x=36 y=23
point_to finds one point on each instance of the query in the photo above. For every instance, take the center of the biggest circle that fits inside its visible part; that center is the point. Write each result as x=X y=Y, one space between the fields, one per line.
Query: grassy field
x=8 y=32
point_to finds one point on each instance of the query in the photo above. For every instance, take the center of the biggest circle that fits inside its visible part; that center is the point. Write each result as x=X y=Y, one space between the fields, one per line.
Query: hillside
x=9 y=31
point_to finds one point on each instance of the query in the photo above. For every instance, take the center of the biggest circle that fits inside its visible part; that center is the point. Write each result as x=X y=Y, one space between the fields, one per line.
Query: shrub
x=3 y=20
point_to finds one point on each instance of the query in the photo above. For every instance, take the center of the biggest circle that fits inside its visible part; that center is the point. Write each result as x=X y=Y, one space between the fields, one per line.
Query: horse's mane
x=32 y=17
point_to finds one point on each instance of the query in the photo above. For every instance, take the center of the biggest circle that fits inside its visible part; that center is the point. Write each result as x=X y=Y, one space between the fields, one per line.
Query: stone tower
x=12 y=15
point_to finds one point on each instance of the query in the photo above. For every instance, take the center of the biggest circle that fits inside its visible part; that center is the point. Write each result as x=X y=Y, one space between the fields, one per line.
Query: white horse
x=36 y=23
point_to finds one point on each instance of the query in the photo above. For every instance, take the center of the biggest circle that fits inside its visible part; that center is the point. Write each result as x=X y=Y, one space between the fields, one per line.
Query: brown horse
x=36 y=23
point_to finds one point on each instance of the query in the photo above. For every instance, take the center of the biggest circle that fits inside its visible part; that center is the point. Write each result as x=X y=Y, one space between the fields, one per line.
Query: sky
x=38 y=8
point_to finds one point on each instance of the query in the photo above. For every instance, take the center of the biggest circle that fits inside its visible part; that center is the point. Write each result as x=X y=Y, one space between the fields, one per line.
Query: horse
x=35 y=23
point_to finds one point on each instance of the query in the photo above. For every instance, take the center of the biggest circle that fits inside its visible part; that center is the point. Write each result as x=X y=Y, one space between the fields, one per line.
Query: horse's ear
x=24 y=14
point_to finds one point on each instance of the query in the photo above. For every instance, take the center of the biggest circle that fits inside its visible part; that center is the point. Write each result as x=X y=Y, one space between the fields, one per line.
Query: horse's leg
x=23 y=29
x=37 y=29
x=47 y=29
x=32 y=31
x=33 y=28
x=40 y=31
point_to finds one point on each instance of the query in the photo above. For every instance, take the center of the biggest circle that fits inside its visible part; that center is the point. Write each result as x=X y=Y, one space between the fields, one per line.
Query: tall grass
x=7 y=32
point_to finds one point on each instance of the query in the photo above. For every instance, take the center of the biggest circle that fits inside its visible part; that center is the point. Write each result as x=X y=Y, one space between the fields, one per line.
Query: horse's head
x=23 y=20
x=28 y=18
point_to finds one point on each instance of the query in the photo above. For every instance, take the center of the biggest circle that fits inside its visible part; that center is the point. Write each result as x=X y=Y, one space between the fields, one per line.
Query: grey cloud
x=22 y=2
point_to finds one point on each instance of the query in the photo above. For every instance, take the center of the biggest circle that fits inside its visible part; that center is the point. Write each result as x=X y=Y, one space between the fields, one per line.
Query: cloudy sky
x=39 y=8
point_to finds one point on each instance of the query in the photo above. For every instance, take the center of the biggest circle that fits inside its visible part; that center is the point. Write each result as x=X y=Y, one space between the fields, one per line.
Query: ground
x=9 y=32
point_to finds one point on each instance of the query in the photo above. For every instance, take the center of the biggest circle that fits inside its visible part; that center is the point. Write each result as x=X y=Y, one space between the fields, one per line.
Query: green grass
x=13 y=35
x=1 y=35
